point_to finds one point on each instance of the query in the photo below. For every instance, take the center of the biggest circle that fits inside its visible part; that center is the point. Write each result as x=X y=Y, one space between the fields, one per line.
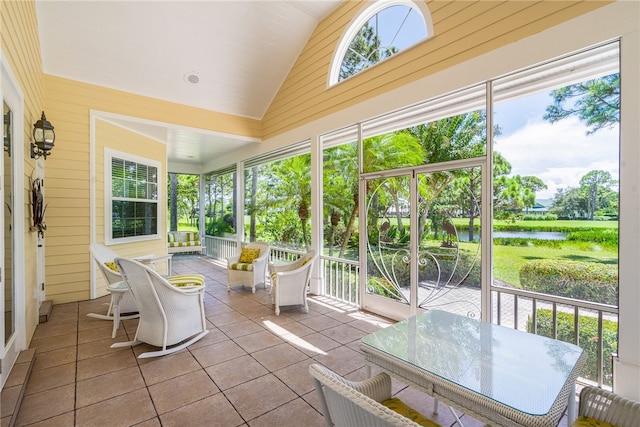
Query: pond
x=540 y=235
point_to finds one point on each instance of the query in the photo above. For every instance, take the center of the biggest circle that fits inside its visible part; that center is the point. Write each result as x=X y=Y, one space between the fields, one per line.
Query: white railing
x=519 y=309
x=220 y=248
x=341 y=279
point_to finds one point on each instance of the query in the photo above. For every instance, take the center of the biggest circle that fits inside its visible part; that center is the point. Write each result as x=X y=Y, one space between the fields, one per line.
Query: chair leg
x=166 y=351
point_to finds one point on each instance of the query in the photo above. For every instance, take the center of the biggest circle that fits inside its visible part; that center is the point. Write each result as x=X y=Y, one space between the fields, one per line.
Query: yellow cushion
x=407 y=411
x=248 y=255
x=183 y=280
x=112 y=265
x=583 y=421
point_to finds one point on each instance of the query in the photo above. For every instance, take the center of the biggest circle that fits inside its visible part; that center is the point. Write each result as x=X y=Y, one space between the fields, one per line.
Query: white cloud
x=560 y=154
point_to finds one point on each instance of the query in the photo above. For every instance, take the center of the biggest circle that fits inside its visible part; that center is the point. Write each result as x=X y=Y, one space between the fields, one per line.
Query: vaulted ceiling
x=225 y=56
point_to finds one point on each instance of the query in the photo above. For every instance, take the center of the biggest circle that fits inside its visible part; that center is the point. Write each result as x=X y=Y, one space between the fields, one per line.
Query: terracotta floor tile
x=235 y=330
x=9 y=399
x=41 y=406
x=341 y=360
x=257 y=397
x=109 y=385
x=124 y=410
x=297 y=377
x=158 y=369
x=313 y=344
x=320 y=322
x=99 y=348
x=282 y=415
x=183 y=390
x=217 y=353
x=53 y=343
x=260 y=362
x=279 y=356
x=65 y=420
x=53 y=358
x=258 y=341
x=45 y=379
x=101 y=365
x=344 y=333
x=211 y=411
x=51 y=330
x=236 y=371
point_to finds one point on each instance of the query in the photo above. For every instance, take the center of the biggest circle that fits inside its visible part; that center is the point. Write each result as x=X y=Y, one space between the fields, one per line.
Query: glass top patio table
x=522 y=371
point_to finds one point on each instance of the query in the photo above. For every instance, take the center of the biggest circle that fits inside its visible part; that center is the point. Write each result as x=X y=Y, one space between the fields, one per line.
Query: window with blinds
x=131 y=208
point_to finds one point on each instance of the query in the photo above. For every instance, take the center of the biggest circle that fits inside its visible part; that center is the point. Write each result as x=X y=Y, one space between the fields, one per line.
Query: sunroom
x=405 y=177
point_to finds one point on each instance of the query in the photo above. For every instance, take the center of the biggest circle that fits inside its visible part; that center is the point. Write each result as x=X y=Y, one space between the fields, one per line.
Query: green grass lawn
x=508 y=259
x=559 y=225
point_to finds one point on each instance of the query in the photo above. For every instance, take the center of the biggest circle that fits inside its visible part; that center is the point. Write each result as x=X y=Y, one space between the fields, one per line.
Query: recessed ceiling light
x=192 y=77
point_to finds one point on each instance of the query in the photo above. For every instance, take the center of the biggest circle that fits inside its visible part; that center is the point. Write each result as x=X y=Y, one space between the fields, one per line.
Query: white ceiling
x=241 y=51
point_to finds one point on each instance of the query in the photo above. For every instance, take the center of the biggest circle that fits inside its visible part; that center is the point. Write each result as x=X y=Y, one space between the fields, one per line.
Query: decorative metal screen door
x=422 y=241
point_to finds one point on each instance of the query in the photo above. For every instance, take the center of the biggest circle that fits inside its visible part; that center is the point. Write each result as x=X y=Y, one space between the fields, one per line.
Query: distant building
x=541 y=207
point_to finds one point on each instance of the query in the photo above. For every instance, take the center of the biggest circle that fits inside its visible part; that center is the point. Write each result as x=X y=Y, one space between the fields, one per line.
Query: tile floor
x=250 y=370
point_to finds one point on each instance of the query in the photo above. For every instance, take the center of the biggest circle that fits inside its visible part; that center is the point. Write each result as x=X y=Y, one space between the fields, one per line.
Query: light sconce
x=7 y=132
x=43 y=137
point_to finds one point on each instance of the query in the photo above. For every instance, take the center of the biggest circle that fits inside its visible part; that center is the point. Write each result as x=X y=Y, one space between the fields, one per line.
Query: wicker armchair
x=609 y=407
x=356 y=404
x=289 y=282
x=253 y=272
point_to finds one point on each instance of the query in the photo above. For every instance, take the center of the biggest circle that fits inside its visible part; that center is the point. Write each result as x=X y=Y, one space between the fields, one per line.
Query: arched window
x=380 y=31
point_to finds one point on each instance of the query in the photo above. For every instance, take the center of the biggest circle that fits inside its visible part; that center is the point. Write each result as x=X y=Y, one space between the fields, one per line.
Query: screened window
x=377 y=34
x=220 y=202
x=278 y=198
x=131 y=204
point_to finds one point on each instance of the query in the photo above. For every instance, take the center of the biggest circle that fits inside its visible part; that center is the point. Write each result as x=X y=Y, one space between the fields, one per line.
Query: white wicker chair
x=170 y=317
x=356 y=404
x=289 y=282
x=121 y=299
x=609 y=407
x=249 y=274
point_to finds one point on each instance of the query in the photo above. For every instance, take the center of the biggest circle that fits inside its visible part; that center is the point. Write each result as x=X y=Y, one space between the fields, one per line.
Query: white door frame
x=11 y=93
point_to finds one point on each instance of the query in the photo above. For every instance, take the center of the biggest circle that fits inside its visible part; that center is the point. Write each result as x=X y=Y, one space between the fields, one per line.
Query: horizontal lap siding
x=463 y=30
x=68 y=106
x=21 y=49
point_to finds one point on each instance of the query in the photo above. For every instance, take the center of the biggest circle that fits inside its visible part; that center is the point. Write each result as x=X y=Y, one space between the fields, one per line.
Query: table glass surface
x=523 y=371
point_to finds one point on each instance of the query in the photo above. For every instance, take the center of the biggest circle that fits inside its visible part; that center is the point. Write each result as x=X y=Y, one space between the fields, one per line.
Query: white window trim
x=369 y=10
x=109 y=154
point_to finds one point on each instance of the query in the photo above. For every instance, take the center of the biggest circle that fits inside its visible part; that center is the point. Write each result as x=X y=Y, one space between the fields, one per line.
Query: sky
x=561 y=153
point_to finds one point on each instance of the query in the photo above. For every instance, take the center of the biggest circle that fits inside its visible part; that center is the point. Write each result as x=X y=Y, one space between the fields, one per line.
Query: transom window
x=131 y=202
x=381 y=31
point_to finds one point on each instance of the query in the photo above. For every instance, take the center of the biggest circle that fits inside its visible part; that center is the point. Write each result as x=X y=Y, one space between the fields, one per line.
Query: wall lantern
x=43 y=137
x=7 y=132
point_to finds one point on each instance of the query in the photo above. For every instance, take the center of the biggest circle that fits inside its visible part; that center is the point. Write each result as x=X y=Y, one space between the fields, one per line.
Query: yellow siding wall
x=21 y=49
x=463 y=30
x=68 y=104
x=108 y=135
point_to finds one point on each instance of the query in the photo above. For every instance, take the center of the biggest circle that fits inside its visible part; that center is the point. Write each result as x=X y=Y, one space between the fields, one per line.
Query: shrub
x=587 y=338
x=605 y=236
x=523 y=241
x=545 y=217
x=586 y=281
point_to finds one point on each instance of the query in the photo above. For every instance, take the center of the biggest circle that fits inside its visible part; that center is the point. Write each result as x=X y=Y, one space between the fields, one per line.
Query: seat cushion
x=183 y=280
x=583 y=421
x=248 y=255
x=241 y=266
x=112 y=265
x=397 y=405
